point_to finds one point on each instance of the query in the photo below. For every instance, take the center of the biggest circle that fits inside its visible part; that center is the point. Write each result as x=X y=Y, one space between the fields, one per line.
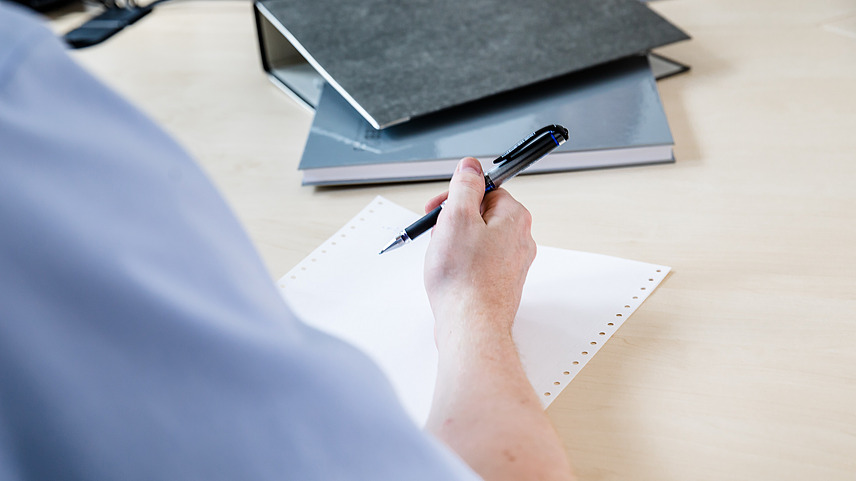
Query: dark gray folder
x=393 y=61
x=613 y=113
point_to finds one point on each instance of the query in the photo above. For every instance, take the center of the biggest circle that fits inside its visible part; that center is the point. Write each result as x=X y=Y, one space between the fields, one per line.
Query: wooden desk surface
x=742 y=366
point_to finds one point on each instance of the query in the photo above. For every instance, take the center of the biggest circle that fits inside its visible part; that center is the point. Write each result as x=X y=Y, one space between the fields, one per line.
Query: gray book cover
x=393 y=61
x=613 y=113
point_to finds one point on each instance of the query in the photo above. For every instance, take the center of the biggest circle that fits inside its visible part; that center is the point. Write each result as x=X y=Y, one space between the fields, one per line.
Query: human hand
x=480 y=252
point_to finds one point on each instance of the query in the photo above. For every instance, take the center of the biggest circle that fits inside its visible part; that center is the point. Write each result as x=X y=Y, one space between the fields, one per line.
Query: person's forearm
x=485 y=409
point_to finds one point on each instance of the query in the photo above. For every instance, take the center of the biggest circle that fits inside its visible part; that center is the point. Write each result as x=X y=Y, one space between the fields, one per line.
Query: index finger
x=435 y=201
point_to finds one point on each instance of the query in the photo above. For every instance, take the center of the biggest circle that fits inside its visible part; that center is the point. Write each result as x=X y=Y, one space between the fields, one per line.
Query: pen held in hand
x=523 y=154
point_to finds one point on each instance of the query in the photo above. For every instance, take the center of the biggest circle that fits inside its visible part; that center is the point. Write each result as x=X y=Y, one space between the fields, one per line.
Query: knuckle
x=471 y=182
x=525 y=216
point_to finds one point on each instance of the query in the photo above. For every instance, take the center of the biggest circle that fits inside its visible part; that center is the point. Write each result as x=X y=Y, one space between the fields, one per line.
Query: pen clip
x=512 y=152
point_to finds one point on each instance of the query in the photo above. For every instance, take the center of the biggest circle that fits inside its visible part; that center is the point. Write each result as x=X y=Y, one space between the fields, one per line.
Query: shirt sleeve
x=141 y=337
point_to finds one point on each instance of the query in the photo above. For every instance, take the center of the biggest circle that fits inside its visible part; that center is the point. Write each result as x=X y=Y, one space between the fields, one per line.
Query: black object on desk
x=105 y=25
x=44 y=5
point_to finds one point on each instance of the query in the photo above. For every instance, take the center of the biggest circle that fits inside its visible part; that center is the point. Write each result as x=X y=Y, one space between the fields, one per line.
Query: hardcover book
x=613 y=113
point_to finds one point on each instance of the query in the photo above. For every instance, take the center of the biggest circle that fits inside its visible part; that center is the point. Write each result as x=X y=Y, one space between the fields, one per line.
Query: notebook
x=613 y=113
x=393 y=61
x=572 y=303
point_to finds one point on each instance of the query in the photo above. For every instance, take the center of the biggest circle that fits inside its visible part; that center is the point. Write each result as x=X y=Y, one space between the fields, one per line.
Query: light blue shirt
x=140 y=336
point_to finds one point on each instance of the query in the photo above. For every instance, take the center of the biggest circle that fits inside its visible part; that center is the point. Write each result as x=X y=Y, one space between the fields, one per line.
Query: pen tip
x=397 y=242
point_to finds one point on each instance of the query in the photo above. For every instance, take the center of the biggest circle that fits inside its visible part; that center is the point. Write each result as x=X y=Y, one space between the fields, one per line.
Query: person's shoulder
x=20 y=31
x=17 y=21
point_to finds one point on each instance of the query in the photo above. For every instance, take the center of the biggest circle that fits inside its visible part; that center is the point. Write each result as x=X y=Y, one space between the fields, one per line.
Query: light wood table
x=742 y=366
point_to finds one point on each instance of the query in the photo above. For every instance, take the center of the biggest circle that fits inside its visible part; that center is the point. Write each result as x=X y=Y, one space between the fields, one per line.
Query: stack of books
x=402 y=90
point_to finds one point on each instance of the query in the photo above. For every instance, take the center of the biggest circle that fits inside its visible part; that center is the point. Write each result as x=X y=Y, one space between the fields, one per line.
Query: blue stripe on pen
x=554 y=139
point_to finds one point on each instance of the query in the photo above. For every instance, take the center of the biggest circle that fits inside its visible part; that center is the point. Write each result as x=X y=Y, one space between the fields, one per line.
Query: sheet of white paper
x=572 y=303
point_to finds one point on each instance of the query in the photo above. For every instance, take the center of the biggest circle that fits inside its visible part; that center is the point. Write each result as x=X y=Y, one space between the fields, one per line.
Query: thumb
x=466 y=190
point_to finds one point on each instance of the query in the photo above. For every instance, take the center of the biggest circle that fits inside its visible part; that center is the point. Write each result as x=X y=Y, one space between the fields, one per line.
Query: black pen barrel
x=424 y=224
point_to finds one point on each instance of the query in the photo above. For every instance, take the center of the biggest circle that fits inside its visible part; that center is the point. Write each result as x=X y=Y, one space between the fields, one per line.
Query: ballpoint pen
x=515 y=160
